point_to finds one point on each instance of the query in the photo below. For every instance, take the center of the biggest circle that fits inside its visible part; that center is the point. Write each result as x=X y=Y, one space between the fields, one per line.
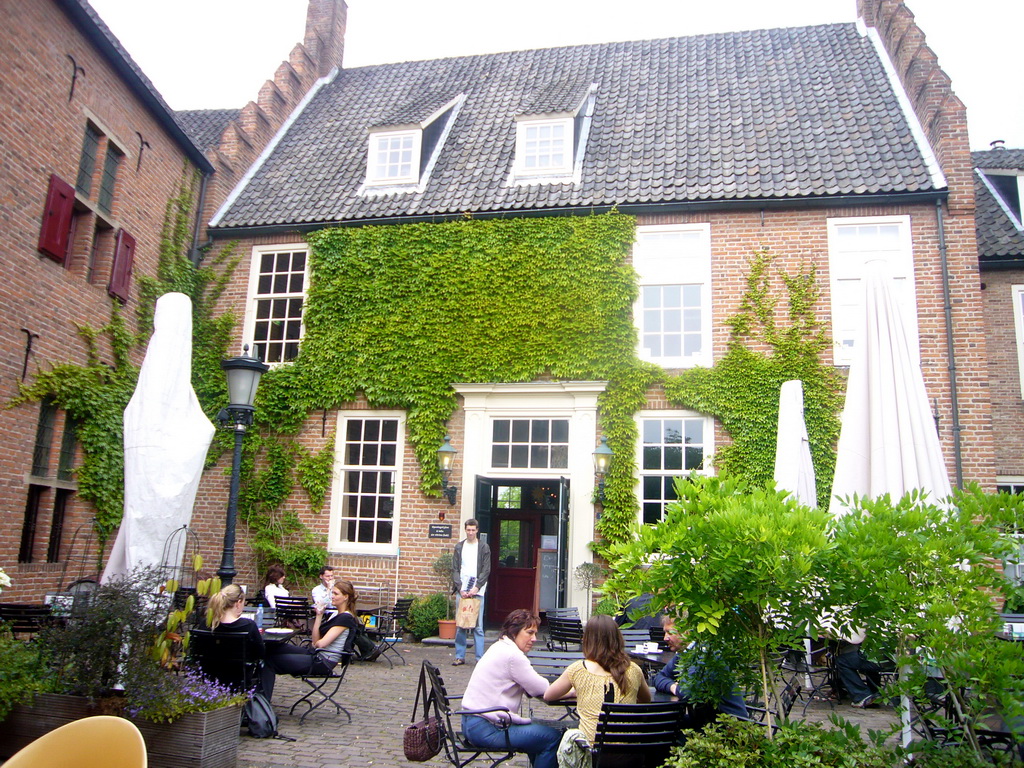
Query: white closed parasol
x=166 y=437
x=794 y=470
x=888 y=442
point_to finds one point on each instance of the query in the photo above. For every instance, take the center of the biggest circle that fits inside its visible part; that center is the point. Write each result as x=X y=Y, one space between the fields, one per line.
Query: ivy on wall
x=400 y=313
x=742 y=389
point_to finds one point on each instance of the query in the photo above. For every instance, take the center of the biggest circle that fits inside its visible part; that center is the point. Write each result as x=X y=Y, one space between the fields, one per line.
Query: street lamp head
x=603 y=457
x=445 y=462
x=243 y=374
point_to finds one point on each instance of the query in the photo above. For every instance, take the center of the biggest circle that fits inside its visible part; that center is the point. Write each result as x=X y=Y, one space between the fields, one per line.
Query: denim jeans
x=478 y=635
x=540 y=742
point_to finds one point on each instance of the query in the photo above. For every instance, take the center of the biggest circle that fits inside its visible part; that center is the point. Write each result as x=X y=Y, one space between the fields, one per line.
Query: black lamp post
x=603 y=456
x=445 y=461
x=243 y=374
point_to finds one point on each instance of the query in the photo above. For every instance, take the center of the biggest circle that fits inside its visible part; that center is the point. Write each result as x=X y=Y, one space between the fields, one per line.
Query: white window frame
x=523 y=126
x=1017 y=299
x=846 y=273
x=253 y=297
x=373 y=175
x=688 y=266
x=339 y=495
x=530 y=444
x=1018 y=220
x=709 y=449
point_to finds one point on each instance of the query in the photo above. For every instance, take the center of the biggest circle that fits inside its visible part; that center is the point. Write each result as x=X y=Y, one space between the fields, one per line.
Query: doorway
x=521 y=519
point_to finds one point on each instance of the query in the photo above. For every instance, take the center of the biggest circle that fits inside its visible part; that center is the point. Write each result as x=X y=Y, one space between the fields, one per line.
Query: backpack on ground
x=260 y=717
x=364 y=646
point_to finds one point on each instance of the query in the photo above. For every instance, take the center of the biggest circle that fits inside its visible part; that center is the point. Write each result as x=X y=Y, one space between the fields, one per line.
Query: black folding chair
x=294 y=613
x=564 y=632
x=635 y=735
x=324 y=684
x=815 y=671
x=224 y=656
x=25 y=619
x=436 y=702
x=389 y=623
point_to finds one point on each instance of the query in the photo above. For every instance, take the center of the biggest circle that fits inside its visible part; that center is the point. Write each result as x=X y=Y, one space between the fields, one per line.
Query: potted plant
x=120 y=656
x=442 y=568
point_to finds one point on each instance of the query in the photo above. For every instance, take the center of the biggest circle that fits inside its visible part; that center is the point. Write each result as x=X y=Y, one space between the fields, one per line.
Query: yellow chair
x=92 y=742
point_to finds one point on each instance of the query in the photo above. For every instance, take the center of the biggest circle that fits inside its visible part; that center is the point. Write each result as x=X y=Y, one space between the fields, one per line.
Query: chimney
x=325 y=33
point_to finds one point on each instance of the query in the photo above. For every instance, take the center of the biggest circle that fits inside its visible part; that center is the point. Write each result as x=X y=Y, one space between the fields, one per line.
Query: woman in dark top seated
x=331 y=639
x=224 y=614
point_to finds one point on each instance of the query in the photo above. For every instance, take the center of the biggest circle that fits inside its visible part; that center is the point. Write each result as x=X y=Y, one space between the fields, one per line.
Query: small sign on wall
x=440 y=531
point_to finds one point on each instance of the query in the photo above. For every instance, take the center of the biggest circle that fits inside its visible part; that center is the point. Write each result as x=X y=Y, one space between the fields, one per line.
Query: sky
x=179 y=45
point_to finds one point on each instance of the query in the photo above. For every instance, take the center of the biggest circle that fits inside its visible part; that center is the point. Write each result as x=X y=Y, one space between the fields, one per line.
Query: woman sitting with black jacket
x=331 y=639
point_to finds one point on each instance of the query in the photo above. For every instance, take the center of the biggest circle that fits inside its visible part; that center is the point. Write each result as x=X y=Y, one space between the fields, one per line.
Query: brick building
x=828 y=144
x=997 y=181
x=91 y=156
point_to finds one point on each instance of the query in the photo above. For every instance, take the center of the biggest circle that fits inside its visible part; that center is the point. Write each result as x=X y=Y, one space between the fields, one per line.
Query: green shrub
x=424 y=614
x=23 y=672
x=735 y=744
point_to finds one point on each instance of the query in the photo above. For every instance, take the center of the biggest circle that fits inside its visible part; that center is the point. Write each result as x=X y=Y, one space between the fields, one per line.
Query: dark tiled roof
x=85 y=16
x=206 y=126
x=999 y=239
x=782 y=113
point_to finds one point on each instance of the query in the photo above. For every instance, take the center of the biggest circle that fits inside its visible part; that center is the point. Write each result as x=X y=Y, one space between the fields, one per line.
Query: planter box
x=202 y=740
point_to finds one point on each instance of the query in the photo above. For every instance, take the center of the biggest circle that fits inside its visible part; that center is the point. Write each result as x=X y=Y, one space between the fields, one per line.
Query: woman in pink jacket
x=499 y=680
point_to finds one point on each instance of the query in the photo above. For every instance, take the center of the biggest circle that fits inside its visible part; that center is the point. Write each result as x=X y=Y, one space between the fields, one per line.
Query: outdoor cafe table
x=278 y=635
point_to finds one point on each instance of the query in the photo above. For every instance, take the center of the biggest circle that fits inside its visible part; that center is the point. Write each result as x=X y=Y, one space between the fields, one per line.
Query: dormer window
x=1007 y=187
x=544 y=147
x=396 y=157
x=404 y=145
x=551 y=133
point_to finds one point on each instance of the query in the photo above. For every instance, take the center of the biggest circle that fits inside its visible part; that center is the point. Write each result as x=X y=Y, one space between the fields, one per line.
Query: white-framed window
x=852 y=243
x=368 y=481
x=277 y=288
x=394 y=157
x=529 y=443
x=544 y=147
x=673 y=311
x=672 y=444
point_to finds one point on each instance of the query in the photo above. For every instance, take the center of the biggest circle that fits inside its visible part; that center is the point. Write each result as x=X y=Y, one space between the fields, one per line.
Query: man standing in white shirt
x=471 y=566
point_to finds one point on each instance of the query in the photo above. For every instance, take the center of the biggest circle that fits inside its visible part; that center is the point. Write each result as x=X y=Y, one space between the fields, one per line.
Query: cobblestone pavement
x=381 y=700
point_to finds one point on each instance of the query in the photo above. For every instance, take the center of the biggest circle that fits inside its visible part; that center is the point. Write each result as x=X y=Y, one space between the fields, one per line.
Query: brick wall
x=798 y=238
x=41 y=134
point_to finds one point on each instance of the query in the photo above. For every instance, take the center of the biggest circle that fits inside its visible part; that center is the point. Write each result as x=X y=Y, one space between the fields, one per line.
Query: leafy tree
x=738 y=568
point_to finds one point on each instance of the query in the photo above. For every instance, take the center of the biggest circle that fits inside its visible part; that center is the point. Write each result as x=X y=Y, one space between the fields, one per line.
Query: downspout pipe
x=950 y=349
x=195 y=254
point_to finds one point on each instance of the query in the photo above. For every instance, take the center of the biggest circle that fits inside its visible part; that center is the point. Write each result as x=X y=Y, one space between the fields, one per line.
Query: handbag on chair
x=422 y=740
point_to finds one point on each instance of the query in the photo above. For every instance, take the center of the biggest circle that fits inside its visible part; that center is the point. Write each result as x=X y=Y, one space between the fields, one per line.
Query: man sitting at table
x=669 y=681
x=322 y=592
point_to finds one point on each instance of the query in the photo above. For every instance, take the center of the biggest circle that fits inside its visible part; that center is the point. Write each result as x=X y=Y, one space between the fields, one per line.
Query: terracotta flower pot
x=446 y=629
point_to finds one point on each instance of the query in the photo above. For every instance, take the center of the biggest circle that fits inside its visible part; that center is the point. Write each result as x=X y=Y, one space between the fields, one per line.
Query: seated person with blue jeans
x=498 y=683
x=668 y=681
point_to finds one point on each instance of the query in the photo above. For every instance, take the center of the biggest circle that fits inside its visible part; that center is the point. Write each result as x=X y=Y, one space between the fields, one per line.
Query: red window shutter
x=121 y=272
x=56 y=229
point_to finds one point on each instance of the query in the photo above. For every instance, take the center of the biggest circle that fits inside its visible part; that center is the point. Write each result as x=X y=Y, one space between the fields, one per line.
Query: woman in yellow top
x=605 y=663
